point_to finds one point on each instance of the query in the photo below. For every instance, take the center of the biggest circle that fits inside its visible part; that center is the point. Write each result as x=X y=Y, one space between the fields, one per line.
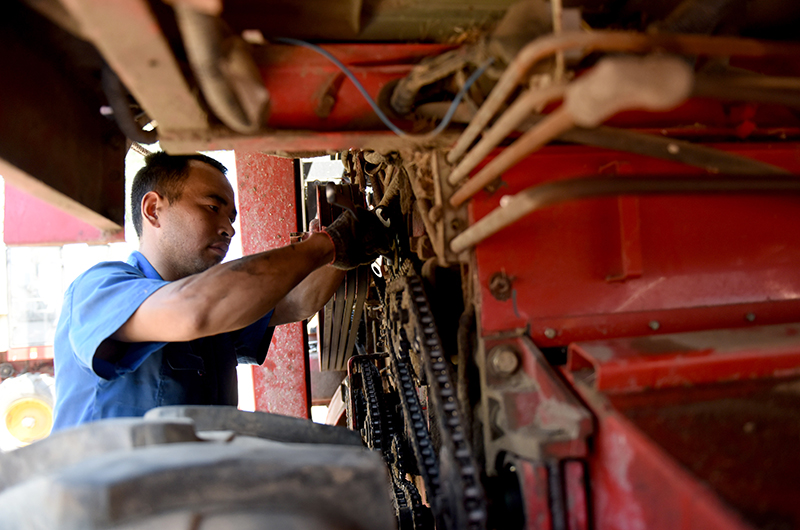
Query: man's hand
x=358 y=238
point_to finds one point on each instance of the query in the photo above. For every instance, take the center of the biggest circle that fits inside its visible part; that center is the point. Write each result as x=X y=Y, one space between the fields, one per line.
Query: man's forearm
x=309 y=296
x=226 y=297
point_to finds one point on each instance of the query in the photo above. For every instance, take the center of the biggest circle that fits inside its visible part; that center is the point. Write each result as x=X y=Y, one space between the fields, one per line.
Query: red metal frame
x=267 y=202
x=694 y=430
x=638 y=363
x=586 y=270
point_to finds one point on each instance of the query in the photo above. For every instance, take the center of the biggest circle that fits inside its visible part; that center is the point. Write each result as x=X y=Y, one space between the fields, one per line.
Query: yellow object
x=29 y=419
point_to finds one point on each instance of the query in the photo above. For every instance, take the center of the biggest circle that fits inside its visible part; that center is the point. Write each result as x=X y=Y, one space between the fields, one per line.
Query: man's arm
x=308 y=297
x=226 y=297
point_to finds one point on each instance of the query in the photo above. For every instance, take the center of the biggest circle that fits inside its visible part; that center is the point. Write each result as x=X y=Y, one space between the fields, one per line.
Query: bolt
x=500 y=286
x=504 y=361
x=750 y=317
x=654 y=325
x=550 y=333
x=457 y=225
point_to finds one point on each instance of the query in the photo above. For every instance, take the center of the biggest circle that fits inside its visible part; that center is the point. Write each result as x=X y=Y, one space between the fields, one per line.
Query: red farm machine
x=589 y=318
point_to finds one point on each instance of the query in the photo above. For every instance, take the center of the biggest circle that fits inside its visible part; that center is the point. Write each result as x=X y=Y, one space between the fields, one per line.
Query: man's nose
x=227 y=229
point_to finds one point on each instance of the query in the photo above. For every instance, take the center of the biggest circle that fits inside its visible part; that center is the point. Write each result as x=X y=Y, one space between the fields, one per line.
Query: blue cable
x=461 y=93
x=448 y=115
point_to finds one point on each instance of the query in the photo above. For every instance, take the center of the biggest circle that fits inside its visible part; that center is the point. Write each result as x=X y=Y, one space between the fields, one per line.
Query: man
x=168 y=326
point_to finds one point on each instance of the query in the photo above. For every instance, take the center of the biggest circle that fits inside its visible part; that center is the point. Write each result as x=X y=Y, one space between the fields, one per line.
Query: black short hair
x=163 y=174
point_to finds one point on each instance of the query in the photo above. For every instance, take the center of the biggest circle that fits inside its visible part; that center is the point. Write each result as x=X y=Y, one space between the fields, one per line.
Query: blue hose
x=448 y=115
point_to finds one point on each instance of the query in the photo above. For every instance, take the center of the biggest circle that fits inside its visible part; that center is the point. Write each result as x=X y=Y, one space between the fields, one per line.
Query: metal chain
x=409 y=310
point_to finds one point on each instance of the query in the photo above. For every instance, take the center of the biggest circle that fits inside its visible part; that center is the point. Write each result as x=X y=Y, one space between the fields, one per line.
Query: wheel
x=26 y=409
x=6 y=370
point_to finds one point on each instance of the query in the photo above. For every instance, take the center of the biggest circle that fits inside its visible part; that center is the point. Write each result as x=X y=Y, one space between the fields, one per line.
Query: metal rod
x=514 y=207
x=607 y=41
x=553 y=125
x=665 y=148
x=531 y=101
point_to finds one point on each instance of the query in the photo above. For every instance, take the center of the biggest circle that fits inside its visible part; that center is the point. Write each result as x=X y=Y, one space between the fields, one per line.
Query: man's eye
x=214 y=208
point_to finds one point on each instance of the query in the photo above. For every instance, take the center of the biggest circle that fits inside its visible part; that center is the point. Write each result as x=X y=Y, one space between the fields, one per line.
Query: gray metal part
x=65 y=448
x=345 y=487
x=260 y=424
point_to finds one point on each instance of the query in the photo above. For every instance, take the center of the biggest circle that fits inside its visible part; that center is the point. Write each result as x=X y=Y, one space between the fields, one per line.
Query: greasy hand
x=358 y=238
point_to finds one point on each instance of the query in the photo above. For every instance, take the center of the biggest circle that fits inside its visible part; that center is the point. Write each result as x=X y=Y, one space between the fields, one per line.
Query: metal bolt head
x=500 y=286
x=550 y=333
x=504 y=361
x=750 y=317
x=654 y=325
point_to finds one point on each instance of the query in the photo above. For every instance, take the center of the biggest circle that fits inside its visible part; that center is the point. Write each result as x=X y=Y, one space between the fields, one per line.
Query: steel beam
x=268 y=206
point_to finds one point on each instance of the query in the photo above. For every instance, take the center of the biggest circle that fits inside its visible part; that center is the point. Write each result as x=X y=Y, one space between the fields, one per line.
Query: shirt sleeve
x=103 y=299
x=253 y=341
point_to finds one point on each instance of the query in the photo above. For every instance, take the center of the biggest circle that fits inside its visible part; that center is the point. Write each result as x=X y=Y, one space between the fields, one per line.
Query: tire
x=26 y=410
x=147 y=474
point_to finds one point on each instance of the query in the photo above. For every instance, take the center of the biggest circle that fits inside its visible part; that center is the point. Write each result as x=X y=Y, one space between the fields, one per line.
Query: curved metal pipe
x=117 y=96
x=681 y=151
x=654 y=83
x=607 y=41
x=225 y=71
x=530 y=102
x=514 y=207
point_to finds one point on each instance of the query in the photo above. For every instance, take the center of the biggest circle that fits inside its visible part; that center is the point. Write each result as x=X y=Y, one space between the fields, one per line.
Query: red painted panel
x=298 y=79
x=267 y=207
x=705 y=261
x=32 y=221
x=682 y=359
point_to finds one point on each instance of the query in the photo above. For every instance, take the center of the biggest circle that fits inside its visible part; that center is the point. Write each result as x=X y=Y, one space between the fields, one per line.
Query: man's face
x=197 y=228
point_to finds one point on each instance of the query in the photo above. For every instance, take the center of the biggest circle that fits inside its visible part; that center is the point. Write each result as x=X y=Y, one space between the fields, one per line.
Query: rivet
x=550 y=333
x=654 y=325
x=750 y=317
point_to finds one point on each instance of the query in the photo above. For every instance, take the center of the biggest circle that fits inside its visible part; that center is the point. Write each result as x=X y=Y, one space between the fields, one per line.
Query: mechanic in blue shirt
x=169 y=326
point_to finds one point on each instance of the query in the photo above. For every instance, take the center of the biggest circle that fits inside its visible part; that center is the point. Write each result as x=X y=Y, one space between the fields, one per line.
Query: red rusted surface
x=677 y=360
x=535 y=495
x=541 y=402
x=577 y=505
x=32 y=221
x=267 y=207
x=706 y=262
x=636 y=486
x=737 y=438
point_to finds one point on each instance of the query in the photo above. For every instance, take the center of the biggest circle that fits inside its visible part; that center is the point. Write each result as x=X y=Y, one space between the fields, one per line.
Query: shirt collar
x=137 y=259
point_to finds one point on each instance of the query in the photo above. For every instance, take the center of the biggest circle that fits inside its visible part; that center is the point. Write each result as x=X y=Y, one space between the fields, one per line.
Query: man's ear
x=151 y=206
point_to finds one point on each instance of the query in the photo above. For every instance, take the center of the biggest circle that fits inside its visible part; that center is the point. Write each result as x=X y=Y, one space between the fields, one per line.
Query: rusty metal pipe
x=514 y=207
x=778 y=90
x=607 y=41
x=530 y=102
x=681 y=151
x=553 y=125
x=655 y=83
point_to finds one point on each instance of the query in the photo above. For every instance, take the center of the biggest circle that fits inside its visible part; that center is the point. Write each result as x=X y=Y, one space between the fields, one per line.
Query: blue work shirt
x=146 y=374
